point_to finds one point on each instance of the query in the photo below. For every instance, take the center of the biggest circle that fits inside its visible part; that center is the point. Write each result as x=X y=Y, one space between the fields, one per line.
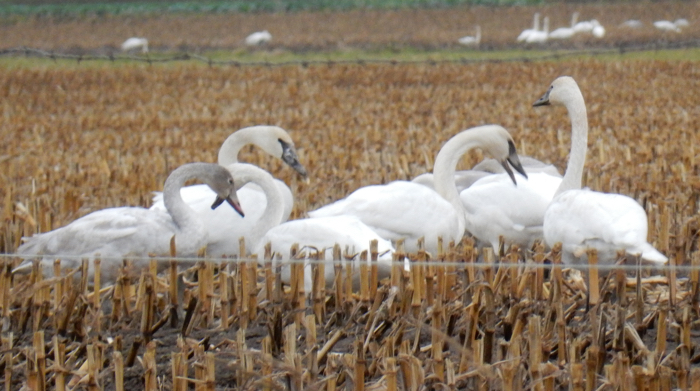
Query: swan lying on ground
x=314 y=235
x=117 y=233
x=580 y=218
x=409 y=211
x=471 y=40
x=221 y=224
x=258 y=38
x=135 y=43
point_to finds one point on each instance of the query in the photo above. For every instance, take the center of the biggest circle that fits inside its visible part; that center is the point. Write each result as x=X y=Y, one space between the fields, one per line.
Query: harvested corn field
x=363 y=29
x=77 y=139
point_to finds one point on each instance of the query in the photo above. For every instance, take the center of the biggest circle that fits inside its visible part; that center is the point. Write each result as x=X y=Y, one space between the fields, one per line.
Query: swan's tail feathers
x=650 y=254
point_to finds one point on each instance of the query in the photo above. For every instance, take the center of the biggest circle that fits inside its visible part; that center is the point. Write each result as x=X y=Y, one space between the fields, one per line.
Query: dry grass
x=363 y=29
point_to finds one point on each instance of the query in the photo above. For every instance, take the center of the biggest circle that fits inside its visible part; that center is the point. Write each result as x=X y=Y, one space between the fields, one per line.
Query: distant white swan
x=134 y=43
x=540 y=36
x=598 y=29
x=565 y=32
x=535 y=27
x=116 y=233
x=632 y=23
x=258 y=38
x=681 y=22
x=581 y=218
x=409 y=211
x=221 y=223
x=665 y=25
x=322 y=233
x=471 y=41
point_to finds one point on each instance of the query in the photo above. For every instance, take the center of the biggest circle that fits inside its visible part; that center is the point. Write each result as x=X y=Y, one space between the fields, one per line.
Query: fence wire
x=183 y=57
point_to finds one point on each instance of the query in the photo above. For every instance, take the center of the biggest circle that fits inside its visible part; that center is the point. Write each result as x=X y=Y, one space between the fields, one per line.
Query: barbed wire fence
x=555 y=54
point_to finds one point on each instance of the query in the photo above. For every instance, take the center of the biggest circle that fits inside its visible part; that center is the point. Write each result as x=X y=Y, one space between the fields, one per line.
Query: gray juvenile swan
x=116 y=233
x=222 y=223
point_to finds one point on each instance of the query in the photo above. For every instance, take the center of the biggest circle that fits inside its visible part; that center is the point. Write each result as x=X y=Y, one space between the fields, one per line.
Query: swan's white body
x=585 y=26
x=582 y=219
x=116 y=233
x=258 y=38
x=497 y=208
x=632 y=23
x=598 y=30
x=409 y=211
x=535 y=27
x=665 y=25
x=321 y=233
x=224 y=226
x=135 y=43
x=681 y=23
x=487 y=167
x=539 y=36
x=565 y=32
x=471 y=40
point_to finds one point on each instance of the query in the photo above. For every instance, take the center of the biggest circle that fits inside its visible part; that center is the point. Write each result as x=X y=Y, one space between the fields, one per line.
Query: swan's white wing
x=113 y=233
x=608 y=222
x=399 y=210
x=496 y=207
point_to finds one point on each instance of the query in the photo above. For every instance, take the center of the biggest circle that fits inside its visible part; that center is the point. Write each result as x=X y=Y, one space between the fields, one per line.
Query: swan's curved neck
x=228 y=153
x=445 y=167
x=190 y=230
x=274 y=210
x=579 y=143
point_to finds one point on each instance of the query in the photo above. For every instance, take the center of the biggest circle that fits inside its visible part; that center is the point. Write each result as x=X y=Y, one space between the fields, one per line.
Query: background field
x=335 y=31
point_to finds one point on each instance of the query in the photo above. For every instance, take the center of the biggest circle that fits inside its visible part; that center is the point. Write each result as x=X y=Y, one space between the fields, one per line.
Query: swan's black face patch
x=544 y=100
x=289 y=156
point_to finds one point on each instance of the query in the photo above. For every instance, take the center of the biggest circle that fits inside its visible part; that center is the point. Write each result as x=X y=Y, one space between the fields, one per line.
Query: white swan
x=258 y=38
x=598 y=30
x=681 y=22
x=535 y=27
x=496 y=208
x=665 y=25
x=116 y=233
x=220 y=223
x=565 y=32
x=134 y=43
x=407 y=210
x=539 y=36
x=488 y=166
x=321 y=233
x=255 y=224
x=581 y=218
x=632 y=23
x=471 y=40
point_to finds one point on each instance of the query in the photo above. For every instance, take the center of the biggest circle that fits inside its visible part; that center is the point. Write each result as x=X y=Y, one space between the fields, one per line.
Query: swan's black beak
x=544 y=100
x=289 y=156
x=514 y=161
x=232 y=200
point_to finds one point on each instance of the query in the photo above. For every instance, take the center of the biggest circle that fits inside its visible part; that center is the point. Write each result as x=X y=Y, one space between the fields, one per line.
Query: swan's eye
x=230 y=181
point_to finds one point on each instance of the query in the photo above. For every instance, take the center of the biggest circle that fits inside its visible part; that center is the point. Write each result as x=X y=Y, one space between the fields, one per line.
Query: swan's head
x=271 y=139
x=564 y=89
x=497 y=142
x=221 y=181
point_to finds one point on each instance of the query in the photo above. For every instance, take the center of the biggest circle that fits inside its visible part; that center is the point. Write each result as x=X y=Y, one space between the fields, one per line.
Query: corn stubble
x=76 y=140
